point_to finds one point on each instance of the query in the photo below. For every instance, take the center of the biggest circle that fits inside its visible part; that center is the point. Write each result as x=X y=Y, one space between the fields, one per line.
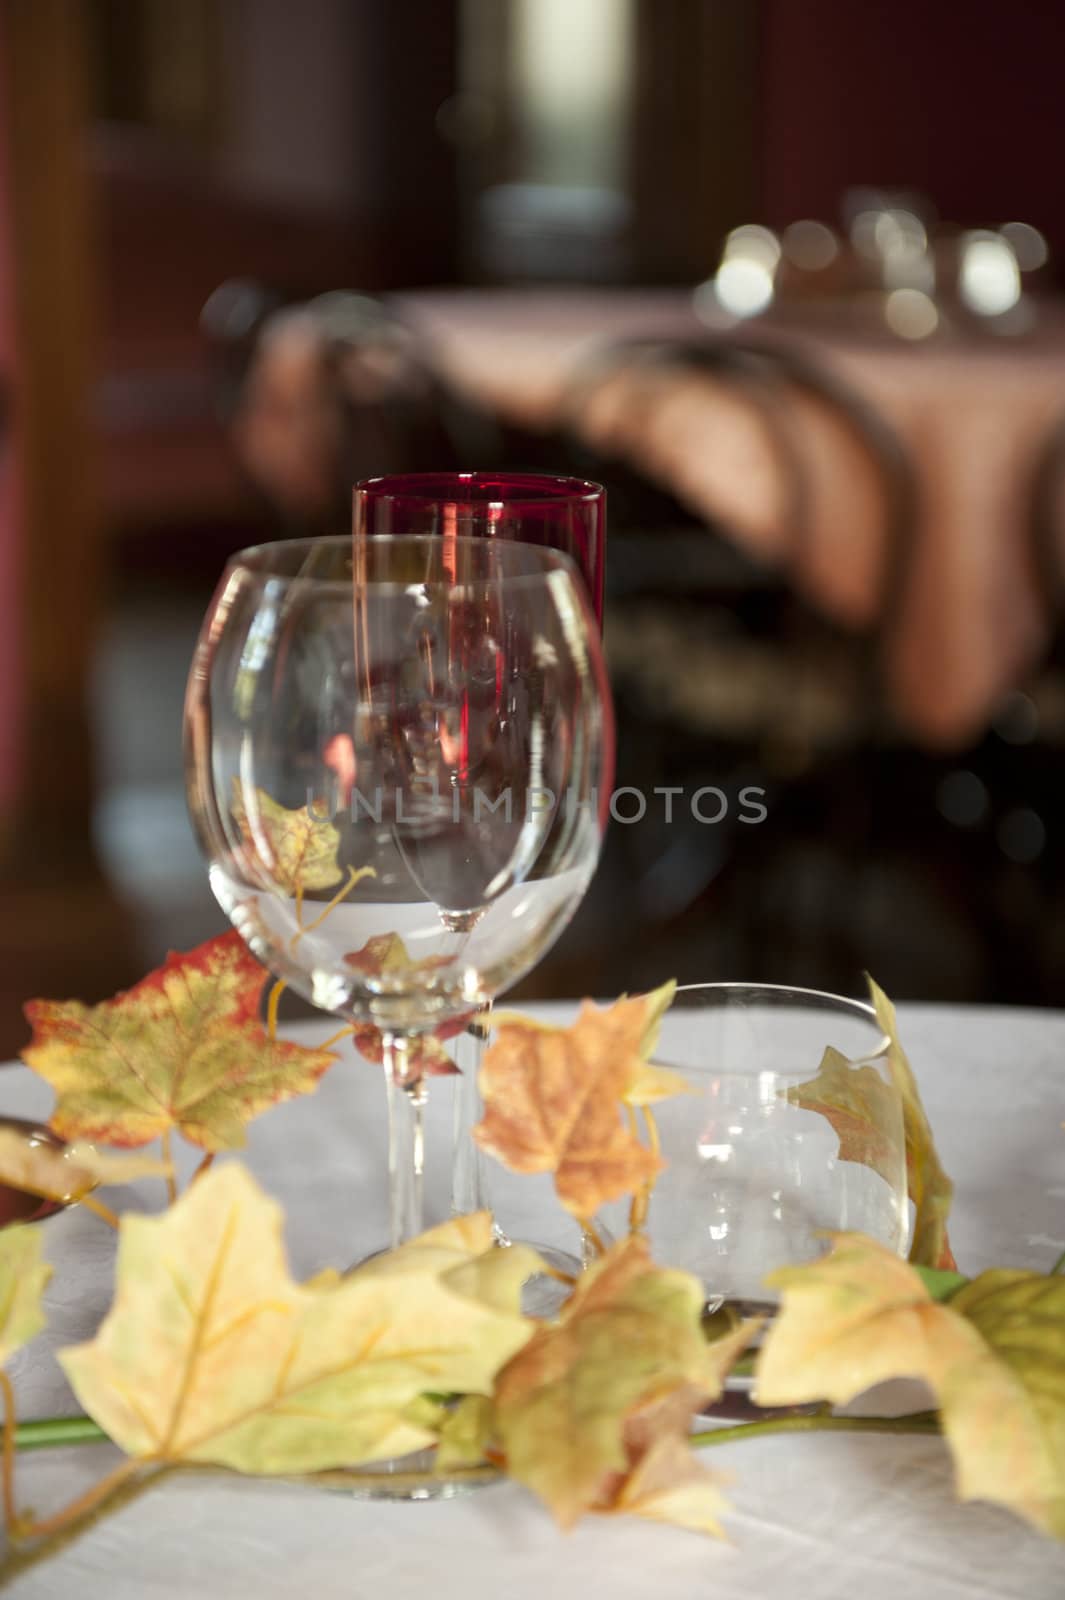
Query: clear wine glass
x=399 y=756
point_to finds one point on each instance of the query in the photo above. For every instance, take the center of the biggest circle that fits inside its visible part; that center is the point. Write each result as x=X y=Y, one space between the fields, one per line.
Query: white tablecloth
x=832 y=1516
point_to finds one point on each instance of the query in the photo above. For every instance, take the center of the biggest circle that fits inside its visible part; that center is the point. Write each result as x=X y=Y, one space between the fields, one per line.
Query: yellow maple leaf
x=993 y=1355
x=593 y=1411
x=930 y=1189
x=66 y=1172
x=465 y=1434
x=296 y=849
x=182 y=1049
x=553 y=1099
x=23 y=1276
x=649 y=1082
x=212 y=1353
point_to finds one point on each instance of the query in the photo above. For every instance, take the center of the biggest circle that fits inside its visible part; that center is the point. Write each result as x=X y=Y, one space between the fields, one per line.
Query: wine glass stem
x=406 y=1141
x=466 y=1184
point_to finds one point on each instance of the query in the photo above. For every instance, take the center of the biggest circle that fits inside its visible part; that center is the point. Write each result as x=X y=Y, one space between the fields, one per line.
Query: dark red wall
x=963 y=99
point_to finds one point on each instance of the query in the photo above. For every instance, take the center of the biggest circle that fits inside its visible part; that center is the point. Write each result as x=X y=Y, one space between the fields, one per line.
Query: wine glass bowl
x=412 y=752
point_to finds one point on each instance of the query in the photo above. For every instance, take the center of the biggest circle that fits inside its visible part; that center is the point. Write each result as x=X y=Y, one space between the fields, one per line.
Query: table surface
x=833 y=1516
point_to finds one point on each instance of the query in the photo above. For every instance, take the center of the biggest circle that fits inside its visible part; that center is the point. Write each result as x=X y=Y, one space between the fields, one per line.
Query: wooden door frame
x=51 y=265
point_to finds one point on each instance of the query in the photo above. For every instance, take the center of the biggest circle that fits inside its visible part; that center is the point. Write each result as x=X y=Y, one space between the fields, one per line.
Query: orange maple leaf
x=553 y=1099
x=426 y=1056
x=386 y=954
x=863 y=1109
x=183 y=1049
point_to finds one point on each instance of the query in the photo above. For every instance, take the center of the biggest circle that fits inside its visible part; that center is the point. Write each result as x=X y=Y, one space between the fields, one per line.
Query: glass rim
x=846 y=1005
x=255 y=561
x=530 y=489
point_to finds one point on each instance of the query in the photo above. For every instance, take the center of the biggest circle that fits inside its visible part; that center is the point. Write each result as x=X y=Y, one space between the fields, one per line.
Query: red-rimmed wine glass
x=561 y=513
x=567 y=514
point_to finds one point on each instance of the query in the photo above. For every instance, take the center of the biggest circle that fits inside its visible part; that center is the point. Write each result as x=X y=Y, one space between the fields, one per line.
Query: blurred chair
x=319 y=394
x=728 y=671
x=784 y=456
x=944 y=869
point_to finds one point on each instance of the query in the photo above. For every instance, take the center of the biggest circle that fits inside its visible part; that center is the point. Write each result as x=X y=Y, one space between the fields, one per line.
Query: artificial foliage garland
x=629 y=1339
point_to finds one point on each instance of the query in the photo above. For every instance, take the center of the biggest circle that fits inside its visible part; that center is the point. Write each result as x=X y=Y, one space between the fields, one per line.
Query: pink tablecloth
x=971 y=418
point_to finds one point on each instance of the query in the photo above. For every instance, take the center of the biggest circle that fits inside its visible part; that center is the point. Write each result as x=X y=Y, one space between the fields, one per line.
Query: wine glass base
x=408 y=1478
x=544 y=1293
x=736 y=1402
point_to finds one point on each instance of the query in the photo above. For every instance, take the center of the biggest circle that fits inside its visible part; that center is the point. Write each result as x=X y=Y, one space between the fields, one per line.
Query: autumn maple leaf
x=553 y=1099
x=212 y=1353
x=863 y=1109
x=425 y=1053
x=23 y=1276
x=992 y=1354
x=296 y=848
x=930 y=1189
x=593 y=1413
x=184 y=1049
x=386 y=954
